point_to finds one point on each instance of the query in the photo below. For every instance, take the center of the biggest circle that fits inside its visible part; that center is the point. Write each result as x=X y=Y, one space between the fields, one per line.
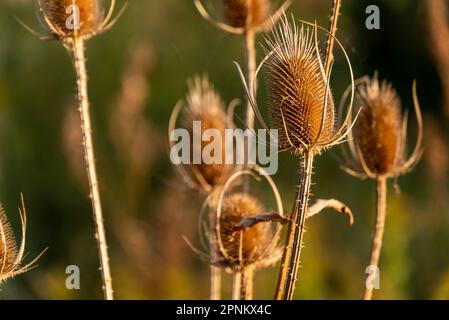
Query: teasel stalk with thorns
x=377 y=148
x=74 y=22
x=11 y=257
x=203 y=104
x=246 y=18
x=302 y=110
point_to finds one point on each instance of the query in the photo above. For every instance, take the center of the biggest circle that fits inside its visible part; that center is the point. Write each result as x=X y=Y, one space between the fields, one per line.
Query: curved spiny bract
x=297 y=89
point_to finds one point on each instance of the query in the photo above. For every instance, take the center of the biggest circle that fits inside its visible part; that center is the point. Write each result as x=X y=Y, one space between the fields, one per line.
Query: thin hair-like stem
x=77 y=48
x=292 y=250
x=381 y=207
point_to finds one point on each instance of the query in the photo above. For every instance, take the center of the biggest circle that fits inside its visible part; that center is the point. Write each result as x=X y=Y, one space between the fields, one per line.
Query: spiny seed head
x=69 y=18
x=248 y=246
x=378 y=128
x=8 y=247
x=297 y=89
x=205 y=105
x=246 y=13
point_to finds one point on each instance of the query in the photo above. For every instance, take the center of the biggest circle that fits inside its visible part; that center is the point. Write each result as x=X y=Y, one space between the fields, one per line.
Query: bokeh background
x=138 y=71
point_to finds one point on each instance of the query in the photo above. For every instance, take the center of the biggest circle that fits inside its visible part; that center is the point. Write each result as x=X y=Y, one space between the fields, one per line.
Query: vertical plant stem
x=292 y=251
x=381 y=208
x=333 y=23
x=250 y=52
x=77 y=47
x=215 y=283
x=215 y=272
x=236 y=284
x=246 y=286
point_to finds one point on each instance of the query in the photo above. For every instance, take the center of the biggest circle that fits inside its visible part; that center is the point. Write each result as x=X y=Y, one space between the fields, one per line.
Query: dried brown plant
x=246 y=18
x=303 y=112
x=378 y=148
x=246 y=240
x=73 y=22
x=11 y=256
x=204 y=105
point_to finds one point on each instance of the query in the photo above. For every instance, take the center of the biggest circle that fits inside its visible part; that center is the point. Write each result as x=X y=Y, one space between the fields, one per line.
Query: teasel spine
x=79 y=59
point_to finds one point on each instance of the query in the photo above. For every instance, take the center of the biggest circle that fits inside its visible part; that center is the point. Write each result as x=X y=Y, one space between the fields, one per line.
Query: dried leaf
x=338 y=206
x=263 y=217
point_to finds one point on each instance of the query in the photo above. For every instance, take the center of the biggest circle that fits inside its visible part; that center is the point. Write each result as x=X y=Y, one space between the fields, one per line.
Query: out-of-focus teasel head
x=244 y=230
x=299 y=95
x=11 y=256
x=68 y=20
x=245 y=13
x=246 y=246
x=378 y=142
x=204 y=109
x=239 y=16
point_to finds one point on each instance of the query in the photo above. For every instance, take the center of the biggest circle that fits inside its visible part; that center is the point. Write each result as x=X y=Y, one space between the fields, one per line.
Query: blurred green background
x=137 y=72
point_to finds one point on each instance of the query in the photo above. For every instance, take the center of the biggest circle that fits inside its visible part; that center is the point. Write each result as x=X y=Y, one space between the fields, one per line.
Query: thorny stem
x=381 y=206
x=79 y=59
x=333 y=23
x=246 y=283
x=292 y=251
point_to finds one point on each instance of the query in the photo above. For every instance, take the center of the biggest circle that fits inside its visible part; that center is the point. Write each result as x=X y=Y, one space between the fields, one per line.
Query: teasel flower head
x=378 y=141
x=11 y=256
x=239 y=16
x=68 y=20
x=246 y=13
x=205 y=107
x=244 y=230
x=299 y=94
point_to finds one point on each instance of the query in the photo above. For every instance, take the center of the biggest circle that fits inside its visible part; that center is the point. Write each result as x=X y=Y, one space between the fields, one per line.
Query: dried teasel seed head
x=246 y=13
x=11 y=256
x=8 y=247
x=378 y=129
x=247 y=246
x=297 y=89
x=205 y=106
x=69 y=18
